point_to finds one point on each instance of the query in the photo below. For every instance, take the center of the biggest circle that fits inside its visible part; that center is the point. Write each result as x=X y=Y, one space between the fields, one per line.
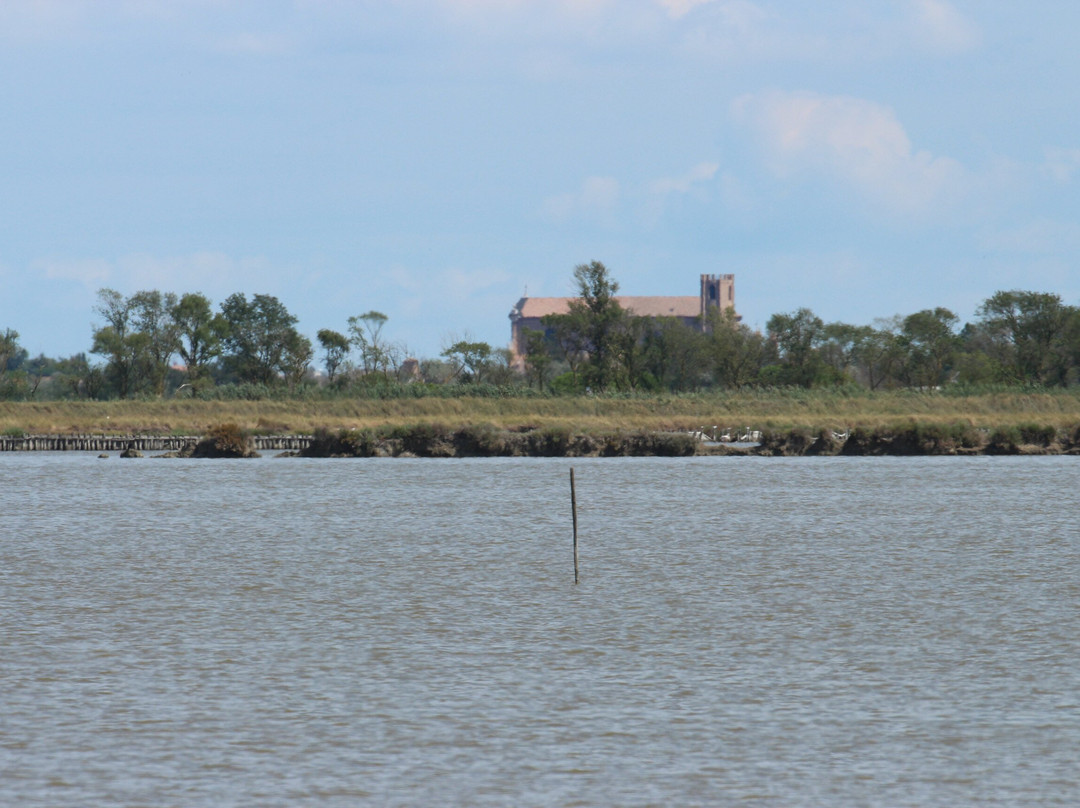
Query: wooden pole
x=573 y=509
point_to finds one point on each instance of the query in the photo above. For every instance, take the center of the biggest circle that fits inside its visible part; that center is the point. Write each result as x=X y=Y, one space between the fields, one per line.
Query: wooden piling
x=573 y=510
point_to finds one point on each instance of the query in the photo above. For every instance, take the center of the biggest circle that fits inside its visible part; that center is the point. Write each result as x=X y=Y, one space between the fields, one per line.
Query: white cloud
x=680 y=8
x=91 y=273
x=942 y=27
x=702 y=172
x=255 y=44
x=209 y=272
x=457 y=294
x=1061 y=164
x=596 y=201
x=853 y=140
x=1040 y=237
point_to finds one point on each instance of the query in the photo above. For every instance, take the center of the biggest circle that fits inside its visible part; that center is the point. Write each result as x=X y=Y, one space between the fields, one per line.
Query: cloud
x=457 y=293
x=680 y=8
x=943 y=28
x=1061 y=164
x=696 y=182
x=596 y=201
x=854 y=141
x=210 y=272
x=1039 y=237
x=702 y=172
x=255 y=44
x=91 y=273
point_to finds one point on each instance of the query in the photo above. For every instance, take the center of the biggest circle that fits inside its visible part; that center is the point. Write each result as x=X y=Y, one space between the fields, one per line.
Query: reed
x=758 y=409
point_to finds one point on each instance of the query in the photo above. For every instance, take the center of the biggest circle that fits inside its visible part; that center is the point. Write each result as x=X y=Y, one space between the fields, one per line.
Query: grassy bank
x=763 y=410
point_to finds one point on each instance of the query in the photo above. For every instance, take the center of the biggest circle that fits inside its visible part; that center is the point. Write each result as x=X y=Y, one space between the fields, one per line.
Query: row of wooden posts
x=144 y=443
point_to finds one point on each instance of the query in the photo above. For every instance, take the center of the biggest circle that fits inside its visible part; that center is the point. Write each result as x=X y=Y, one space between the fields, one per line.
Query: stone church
x=717 y=291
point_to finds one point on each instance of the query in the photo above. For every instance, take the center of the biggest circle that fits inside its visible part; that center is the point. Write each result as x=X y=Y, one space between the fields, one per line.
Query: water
x=279 y=632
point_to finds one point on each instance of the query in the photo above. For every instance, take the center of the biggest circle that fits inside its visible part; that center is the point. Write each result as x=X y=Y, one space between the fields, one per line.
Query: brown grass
x=774 y=410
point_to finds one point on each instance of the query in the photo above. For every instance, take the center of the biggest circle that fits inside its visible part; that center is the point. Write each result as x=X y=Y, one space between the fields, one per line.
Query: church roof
x=659 y=306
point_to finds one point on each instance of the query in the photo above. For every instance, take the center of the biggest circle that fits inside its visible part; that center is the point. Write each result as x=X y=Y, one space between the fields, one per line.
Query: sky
x=436 y=159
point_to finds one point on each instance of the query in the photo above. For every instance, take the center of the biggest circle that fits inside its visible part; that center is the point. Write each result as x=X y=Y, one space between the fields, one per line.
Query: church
x=717 y=292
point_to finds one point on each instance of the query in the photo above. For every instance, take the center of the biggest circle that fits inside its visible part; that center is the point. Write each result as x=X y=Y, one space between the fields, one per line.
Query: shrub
x=225 y=440
x=359 y=442
x=484 y=440
x=552 y=441
x=1037 y=434
x=425 y=439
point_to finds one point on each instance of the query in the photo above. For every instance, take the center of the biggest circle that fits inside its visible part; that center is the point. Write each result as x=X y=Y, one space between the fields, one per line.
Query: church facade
x=717 y=292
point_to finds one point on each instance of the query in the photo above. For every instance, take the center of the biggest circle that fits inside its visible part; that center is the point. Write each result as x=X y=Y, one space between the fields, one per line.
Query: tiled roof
x=686 y=306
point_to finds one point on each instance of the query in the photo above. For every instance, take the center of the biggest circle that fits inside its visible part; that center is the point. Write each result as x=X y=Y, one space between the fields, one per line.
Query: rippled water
x=279 y=632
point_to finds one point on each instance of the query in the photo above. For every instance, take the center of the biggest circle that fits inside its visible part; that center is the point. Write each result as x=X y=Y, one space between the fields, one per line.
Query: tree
x=198 y=332
x=73 y=373
x=675 y=354
x=569 y=341
x=9 y=352
x=630 y=360
x=376 y=354
x=1026 y=330
x=798 y=337
x=119 y=342
x=257 y=337
x=840 y=349
x=537 y=359
x=296 y=359
x=335 y=350
x=878 y=354
x=152 y=317
x=602 y=318
x=469 y=358
x=929 y=341
x=734 y=352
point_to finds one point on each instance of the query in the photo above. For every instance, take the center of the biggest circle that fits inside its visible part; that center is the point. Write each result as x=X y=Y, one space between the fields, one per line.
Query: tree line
x=153 y=344
x=1018 y=337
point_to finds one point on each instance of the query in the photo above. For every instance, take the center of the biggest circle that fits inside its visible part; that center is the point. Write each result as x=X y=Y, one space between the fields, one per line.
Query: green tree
x=735 y=353
x=602 y=318
x=152 y=317
x=537 y=359
x=929 y=341
x=335 y=351
x=10 y=351
x=879 y=355
x=470 y=359
x=199 y=333
x=296 y=360
x=257 y=338
x=675 y=354
x=841 y=346
x=798 y=338
x=376 y=353
x=569 y=342
x=73 y=373
x=1026 y=330
x=630 y=360
x=120 y=343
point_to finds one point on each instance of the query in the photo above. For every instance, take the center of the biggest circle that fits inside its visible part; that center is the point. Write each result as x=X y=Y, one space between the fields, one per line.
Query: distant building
x=717 y=292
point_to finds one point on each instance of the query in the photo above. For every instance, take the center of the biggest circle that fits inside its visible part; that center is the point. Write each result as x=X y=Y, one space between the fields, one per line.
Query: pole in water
x=573 y=509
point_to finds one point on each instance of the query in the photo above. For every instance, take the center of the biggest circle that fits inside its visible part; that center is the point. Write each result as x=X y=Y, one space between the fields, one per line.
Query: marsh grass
x=784 y=409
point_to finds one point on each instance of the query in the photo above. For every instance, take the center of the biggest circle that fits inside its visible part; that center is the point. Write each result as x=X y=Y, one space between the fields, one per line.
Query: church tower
x=717 y=292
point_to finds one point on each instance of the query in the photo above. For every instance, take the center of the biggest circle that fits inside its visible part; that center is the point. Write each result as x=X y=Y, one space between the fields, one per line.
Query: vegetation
x=163 y=348
x=837 y=409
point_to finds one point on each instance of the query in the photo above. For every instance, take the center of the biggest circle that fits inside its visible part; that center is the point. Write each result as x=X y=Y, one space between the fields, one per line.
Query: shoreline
x=436 y=441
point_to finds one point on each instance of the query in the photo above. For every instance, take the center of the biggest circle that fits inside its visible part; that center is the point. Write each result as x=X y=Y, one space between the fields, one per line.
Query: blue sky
x=433 y=158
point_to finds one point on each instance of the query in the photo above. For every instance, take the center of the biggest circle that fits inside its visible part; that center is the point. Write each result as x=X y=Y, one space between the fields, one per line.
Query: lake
x=761 y=631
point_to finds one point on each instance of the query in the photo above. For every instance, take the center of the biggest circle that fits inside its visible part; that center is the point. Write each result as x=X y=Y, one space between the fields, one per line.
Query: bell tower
x=717 y=292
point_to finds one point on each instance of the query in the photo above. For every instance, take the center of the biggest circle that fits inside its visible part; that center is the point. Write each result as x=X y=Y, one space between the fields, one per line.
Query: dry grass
x=759 y=410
